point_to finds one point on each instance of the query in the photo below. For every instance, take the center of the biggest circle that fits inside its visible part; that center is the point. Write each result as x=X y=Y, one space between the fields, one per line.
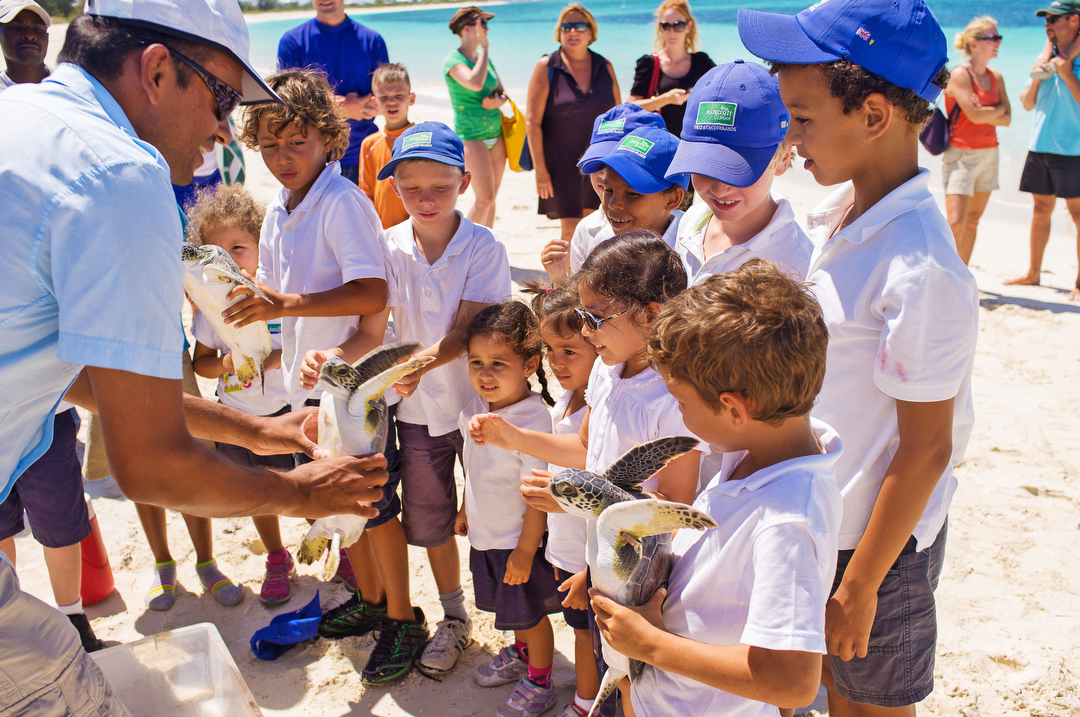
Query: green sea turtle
x=352 y=422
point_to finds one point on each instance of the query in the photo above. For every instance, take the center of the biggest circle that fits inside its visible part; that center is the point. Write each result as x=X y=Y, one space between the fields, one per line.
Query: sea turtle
x=209 y=275
x=633 y=535
x=352 y=422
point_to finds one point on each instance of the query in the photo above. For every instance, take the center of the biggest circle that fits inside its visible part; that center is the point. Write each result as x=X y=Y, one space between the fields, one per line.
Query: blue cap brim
x=388 y=168
x=780 y=38
x=738 y=168
x=640 y=180
x=597 y=150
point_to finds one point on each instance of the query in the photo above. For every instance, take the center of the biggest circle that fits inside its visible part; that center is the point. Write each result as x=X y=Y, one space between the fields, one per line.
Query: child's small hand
x=534 y=489
x=461 y=523
x=312 y=365
x=556 y=259
x=518 y=567
x=491 y=429
x=630 y=630
x=272 y=361
x=407 y=384
x=252 y=308
x=576 y=596
x=227 y=364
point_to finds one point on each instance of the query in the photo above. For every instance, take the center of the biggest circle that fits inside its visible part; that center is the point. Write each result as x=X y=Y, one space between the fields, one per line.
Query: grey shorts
x=898 y=669
x=428 y=491
x=968 y=171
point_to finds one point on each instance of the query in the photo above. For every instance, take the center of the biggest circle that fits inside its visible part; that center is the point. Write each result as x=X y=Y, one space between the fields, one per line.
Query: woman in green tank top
x=477 y=95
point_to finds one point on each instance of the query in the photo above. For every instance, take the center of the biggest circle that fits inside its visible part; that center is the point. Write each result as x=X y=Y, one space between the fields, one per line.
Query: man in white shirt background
x=24 y=39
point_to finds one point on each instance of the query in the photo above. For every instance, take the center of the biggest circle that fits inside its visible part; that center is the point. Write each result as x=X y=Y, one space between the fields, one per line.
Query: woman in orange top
x=971 y=161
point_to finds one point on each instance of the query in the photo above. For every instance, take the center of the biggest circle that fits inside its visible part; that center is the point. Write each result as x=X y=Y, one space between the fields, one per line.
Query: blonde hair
x=223 y=205
x=969 y=34
x=581 y=10
x=683 y=7
x=391 y=73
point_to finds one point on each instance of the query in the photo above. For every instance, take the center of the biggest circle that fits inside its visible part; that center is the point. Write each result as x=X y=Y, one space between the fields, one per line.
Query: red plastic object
x=97 y=576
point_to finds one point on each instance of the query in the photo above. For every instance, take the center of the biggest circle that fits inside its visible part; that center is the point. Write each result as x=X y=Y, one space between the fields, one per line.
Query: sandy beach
x=1009 y=641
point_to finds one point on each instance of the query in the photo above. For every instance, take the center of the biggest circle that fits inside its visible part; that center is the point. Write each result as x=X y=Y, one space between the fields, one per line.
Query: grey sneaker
x=504 y=668
x=452 y=637
x=528 y=700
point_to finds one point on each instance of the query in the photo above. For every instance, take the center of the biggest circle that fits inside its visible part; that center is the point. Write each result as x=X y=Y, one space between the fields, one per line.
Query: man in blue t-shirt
x=1052 y=169
x=348 y=53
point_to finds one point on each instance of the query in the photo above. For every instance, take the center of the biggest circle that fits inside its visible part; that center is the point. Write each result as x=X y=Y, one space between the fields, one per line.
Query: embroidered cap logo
x=638 y=145
x=716 y=113
x=611 y=126
x=420 y=139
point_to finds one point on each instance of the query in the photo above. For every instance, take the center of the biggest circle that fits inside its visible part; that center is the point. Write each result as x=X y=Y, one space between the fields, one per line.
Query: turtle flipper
x=637 y=519
x=608 y=685
x=645 y=460
x=379 y=359
x=374 y=387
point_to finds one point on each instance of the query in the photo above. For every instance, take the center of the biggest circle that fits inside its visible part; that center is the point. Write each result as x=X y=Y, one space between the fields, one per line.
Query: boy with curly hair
x=858 y=77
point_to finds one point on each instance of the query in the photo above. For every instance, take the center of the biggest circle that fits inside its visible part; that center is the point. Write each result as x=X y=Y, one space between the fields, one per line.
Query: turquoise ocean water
x=522 y=32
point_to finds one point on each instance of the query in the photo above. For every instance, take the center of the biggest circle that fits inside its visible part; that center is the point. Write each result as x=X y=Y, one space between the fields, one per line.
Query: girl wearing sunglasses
x=663 y=80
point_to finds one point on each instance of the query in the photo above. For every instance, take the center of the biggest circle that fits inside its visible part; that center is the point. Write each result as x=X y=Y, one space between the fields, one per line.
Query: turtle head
x=579 y=492
x=192 y=254
x=338 y=378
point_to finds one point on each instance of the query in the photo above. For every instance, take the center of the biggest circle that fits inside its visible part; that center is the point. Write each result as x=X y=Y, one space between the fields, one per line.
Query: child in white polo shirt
x=902 y=311
x=740 y=630
x=732 y=144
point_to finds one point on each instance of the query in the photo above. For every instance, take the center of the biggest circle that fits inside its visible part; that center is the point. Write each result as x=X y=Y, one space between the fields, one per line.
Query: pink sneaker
x=276 y=587
x=345 y=572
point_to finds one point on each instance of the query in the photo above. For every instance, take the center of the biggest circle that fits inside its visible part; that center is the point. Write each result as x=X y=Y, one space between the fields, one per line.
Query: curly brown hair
x=224 y=205
x=308 y=102
x=514 y=323
x=754 y=331
x=851 y=84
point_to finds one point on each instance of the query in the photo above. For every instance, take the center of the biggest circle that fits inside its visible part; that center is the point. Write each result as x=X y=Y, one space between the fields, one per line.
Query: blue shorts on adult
x=898 y=669
x=51 y=492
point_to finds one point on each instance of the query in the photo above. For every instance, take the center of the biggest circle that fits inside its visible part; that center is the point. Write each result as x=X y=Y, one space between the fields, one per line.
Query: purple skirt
x=516 y=607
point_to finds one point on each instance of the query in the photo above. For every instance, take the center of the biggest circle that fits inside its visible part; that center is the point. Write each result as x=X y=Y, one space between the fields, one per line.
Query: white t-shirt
x=425 y=299
x=332 y=238
x=589 y=236
x=251 y=399
x=567 y=534
x=760 y=578
x=781 y=241
x=493 y=500
x=902 y=312
x=5 y=81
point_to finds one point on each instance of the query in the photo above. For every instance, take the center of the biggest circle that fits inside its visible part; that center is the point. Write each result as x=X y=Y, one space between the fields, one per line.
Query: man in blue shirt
x=348 y=53
x=1052 y=168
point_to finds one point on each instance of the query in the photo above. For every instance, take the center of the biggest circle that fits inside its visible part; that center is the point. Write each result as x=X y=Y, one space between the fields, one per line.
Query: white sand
x=1009 y=596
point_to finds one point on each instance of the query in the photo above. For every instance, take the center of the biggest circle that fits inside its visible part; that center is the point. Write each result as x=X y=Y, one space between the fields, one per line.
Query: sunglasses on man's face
x=226 y=97
x=1051 y=19
x=679 y=26
x=574 y=27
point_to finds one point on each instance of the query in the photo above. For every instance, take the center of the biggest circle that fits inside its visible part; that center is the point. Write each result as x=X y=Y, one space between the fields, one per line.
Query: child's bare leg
x=202 y=536
x=155 y=528
x=627 y=705
x=269 y=531
x=369 y=582
x=392 y=555
x=584 y=667
x=65 y=573
x=7 y=547
x=541 y=642
x=446 y=566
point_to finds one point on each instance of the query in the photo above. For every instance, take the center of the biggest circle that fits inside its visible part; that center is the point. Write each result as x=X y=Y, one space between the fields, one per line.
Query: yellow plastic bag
x=514 y=136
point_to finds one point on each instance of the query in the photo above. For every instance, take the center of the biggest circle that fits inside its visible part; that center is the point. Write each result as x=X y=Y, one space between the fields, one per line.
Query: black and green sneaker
x=352 y=617
x=400 y=645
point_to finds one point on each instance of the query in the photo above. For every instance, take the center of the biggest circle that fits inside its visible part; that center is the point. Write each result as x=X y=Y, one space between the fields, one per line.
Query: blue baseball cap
x=427 y=140
x=610 y=127
x=641 y=158
x=898 y=40
x=734 y=122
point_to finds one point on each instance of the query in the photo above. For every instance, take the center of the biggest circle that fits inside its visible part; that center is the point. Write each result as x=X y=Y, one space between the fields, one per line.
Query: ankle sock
x=540 y=677
x=453 y=605
x=224 y=590
x=162 y=593
x=582 y=703
x=522 y=649
x=73 y=609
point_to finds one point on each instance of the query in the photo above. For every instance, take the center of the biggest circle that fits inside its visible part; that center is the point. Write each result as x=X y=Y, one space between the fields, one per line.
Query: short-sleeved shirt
x=700 y=63
x=781 y=241
x=425 y=299
x=492 y=499
x=903 y=313
x=333 y=237
x=5 y=81
x=375 y=152
x=260 y=397
x=348 y=53
x=760 y=578
x=91 y=244
x=599 y=231
x=566 y=533
x=471 y=120
x=1055 y=124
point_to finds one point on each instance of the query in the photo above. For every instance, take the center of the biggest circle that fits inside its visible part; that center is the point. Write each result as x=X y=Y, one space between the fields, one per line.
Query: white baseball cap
x=215 y=23
x=10 y=8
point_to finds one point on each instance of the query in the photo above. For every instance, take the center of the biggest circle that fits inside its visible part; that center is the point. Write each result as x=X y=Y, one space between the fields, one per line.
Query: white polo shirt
x=252 y=399
x=332 y=238
x=493 y=500
x=781 y=241
x=760 y=578
x=589 y=236
x=425 y=299
x=903 y=314
x=566 y=533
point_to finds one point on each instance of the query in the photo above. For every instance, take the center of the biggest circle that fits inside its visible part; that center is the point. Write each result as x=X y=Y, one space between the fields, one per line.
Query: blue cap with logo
x=641 y=158
x=427 y=140
x=610 y=127
x=733 y=124
x=897 y=40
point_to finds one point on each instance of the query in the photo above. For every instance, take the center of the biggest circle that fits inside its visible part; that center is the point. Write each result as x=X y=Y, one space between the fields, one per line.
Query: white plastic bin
x=186 y=672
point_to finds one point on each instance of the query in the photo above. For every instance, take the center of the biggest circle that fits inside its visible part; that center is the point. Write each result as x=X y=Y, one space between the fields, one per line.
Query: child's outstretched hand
x=312 y=365
x=253 y=308
x=518 y=567
x=491 y=429
x=556 y=259
x=630 y=630
x=461 y=523
x=534 y=489
x=576 y=596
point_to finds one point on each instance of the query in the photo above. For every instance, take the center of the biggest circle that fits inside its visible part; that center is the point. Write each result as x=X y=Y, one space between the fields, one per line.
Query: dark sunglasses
x=226 y=97
x=574 y=27
x=483 y=23
x=1051 y=19
x=992 y=38
x=679 y=26
x=592 y=321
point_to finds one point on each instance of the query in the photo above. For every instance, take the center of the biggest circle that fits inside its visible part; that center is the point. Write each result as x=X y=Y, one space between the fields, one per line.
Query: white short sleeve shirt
x=425 y=299
x=566 y=533
x=252 y=399
x=761 y=578
x=493 y=502
x=332 y=238
x=903 y=313
x=592 y=232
